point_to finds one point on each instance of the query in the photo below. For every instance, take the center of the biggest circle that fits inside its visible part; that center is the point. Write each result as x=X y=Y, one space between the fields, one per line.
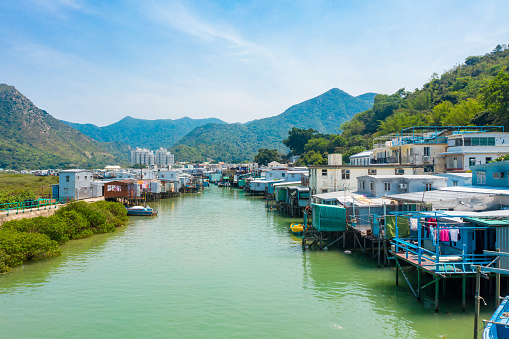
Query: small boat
x=224 y=184
x=297 y=228
x=141 y=210
x=498 y=326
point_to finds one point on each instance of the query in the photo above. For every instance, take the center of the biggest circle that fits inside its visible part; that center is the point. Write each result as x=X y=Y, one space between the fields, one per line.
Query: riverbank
x=37 y=212
x=26 y=239
x=216 y=264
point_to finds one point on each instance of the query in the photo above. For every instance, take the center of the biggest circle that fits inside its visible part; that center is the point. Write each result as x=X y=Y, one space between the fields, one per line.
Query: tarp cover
x=390 y=226
x=329 y=218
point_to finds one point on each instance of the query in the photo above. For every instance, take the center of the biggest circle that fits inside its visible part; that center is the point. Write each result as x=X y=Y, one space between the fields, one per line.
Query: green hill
x=457 y=97
x=240 y=142
x=149 y=134
x=30 y=138
x=473 y=93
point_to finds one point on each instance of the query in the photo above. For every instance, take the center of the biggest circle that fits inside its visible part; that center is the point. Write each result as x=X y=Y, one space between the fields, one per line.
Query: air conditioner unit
x=402 y=186
x=425 y=158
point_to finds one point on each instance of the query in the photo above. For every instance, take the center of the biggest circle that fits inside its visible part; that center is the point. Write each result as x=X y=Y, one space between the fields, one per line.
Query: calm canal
x=215 y=264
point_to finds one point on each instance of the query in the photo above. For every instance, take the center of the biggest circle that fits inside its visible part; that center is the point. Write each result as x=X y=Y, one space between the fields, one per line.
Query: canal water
x=215 y=264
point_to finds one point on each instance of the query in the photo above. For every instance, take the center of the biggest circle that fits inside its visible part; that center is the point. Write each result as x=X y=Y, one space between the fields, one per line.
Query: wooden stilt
x=464 y=292
x=437 y=292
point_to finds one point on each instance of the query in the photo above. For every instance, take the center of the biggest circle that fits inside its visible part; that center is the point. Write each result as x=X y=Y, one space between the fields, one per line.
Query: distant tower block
x=142 y=156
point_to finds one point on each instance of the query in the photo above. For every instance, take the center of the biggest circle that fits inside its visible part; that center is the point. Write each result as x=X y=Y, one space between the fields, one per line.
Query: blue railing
x=28 y=205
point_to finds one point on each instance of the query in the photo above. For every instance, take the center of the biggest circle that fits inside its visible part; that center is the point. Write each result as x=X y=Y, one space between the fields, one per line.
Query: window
x=488 y=159
x=468 y=142
x=428 y=186
x=491 y=141
x=324 y=172
x=458 y=142
x=345 y=174
x=66 y=190
x=283 y=175
x=455 y=183
x=426 y=151
x=371 y=186
x=471 y=161
x=85 y=177
x=372 y=171
x=67 y=178
x=481 y=177
x=387 y=186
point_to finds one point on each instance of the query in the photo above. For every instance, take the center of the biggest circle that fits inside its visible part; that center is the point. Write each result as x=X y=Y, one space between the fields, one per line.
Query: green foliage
x=495 y=97
x=241 y=142
x=21 y=187
x=474 y=93
x=313 y=158
x=298 y=138
x=3 y=261
x=502 y=158
x=265 y=156
x=31 y=138
x=25 y=239
x=21 y=247
x=149 y=134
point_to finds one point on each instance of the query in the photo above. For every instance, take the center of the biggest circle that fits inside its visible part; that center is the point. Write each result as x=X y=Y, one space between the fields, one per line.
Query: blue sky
x=99 y=61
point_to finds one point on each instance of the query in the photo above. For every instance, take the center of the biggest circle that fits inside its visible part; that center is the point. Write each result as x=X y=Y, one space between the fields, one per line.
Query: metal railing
x=28 y=205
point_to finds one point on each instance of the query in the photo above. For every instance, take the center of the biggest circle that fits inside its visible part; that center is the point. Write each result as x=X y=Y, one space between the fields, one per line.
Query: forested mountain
x=475 y=92
x=150 y=134
x=240 y=142
x=31 y=138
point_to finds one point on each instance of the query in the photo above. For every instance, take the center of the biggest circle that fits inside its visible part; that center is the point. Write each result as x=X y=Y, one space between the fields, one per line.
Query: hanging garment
x=413 y=224
x=455 y=234
x=433 y=234
x=444 y=235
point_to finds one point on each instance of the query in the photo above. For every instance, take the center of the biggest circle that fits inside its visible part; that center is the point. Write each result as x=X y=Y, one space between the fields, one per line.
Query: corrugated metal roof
x=489 y=222
x=477 y=189
x=435 y=196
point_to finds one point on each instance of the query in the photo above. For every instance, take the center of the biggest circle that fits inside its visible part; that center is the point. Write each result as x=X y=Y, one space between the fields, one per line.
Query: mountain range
x=201 y=139
x=150 y=134
x=31 y=138
x=240 y=142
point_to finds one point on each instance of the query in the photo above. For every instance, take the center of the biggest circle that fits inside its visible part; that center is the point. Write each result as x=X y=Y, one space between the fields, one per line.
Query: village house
x=75 y=184
x=378 y=186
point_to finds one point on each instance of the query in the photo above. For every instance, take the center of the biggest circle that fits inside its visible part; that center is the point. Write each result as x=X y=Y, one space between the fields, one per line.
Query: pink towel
x=444 y=235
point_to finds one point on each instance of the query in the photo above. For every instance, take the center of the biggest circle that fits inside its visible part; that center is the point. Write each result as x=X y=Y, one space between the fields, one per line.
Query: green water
x=215 y=264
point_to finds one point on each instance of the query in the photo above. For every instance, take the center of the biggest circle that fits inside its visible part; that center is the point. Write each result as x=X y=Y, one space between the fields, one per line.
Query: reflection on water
x=215 y=264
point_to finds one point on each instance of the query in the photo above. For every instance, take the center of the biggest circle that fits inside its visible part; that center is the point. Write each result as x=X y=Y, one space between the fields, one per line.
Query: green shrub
x=3 y=262
x=21 y=247
x=79 y=227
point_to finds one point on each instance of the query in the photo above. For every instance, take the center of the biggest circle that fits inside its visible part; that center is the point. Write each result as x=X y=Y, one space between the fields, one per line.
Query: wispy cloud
x=177 y=16
x=56 y=5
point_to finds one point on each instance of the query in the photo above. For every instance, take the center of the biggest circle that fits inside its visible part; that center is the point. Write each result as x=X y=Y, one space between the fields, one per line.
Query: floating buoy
x=348 y=252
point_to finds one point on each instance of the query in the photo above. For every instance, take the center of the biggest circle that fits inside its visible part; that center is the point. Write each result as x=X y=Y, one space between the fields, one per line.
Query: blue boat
x=498 y=326
x=141 y=211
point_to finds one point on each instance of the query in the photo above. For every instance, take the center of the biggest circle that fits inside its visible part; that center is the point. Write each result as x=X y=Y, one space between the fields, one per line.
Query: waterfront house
x=75 y=184
x=495 y=174
x=465 y=150
x=457 y=179
x=379 y=185
x=336 y=177
x=119 y=189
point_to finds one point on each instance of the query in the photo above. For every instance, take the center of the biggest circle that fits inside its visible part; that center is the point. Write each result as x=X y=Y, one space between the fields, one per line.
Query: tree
x=298 y=138
x=265 y=156
x=495 y=97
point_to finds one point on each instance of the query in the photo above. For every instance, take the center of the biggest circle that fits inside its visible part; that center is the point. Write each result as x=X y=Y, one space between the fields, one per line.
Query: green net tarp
x=329 y=218
x=281 y=195
x=390 y=226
